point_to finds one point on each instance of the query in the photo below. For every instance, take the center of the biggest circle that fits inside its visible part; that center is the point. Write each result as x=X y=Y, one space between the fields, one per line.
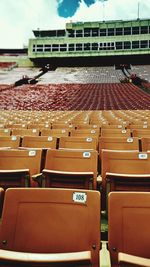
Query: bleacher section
x=74 y=97
x=76 y=132
x=8 y=65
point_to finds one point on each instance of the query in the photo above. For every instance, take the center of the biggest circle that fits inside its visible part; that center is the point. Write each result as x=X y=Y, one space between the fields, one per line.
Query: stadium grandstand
x=75 y=147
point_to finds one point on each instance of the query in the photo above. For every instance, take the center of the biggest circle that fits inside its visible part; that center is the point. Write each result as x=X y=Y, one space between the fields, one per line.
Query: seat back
x=62 y=126
x=51 y=221
x=55 y=132
x=5 y=132
x=121 y=143
x=72 y=161
x=10 y=141
x=141 y=132
x=20 y=159
x=39 y=141
x=116 y=133
x=145 y=143
x=16 y=126
x=120 y=167
x=23 y=132
x=129 y=230
x=78 y=142
x=13 y=162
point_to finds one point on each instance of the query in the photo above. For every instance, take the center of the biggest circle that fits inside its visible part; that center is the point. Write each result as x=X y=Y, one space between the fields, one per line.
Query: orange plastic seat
x=17 y=167
x=5 y=132
x=23 y=132
x=129 y=231
x=55 y=132
x=116 y=133
x=78 y=142
x=121 y=143
x=70 y=168
x=39 y=142
x=16 y=126
x=94 y=133
x=50 y=227
x=125 y=170
x=10 y=141
x=145 y=143
x=141 y=132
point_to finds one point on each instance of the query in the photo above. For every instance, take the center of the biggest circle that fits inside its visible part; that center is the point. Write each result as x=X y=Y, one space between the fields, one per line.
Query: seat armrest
x=67 y=172
x=21 y=258
x=127 y=260
x=104 y=255
x=38 y=178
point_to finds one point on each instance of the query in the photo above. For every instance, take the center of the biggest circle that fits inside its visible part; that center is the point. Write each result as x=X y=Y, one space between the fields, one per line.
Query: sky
x=18 y=18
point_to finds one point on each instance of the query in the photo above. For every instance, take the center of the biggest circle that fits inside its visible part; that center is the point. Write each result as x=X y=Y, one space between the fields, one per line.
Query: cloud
x=112 y=10
x=67 y=8
x=19 y=18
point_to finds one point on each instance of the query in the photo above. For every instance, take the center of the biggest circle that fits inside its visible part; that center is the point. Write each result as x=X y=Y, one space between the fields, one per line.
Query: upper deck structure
x=104 y=43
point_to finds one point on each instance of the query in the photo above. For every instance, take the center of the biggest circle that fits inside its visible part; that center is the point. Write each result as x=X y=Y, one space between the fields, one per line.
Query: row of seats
x=119 y=170
x=93 y=132
x=73 y=97
x=61 y=227
x=79 y=126
x=76 y=142
x=100 y=117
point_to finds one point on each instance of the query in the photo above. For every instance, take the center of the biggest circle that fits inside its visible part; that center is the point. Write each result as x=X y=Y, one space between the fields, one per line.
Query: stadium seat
x=10 y=141
x=141 y=133
x=17 y=167
x=85 y=133
x=78 y=142
x=70 y=168
x=39 y=142
x=50 y=227
x=5 y=132
x=125 y=171
x=55 y=132
x=145 y=143
x=16 y=126
x=115 y=133
x=39 y=126
x=129 y=231
x=87 y=126
x=62 y=126
x=24 y=132
x=118 y=143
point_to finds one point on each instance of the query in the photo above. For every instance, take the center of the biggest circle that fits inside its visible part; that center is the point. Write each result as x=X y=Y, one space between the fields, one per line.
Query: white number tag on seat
x=86 y=155
x=80 y=197
x=89 y=139
x=93 y=131
x=123 y=131
x=34 y=131
x=13 y=138
x=32 y=153
x=50 y=138
x=143 y=156
x=130 y=140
